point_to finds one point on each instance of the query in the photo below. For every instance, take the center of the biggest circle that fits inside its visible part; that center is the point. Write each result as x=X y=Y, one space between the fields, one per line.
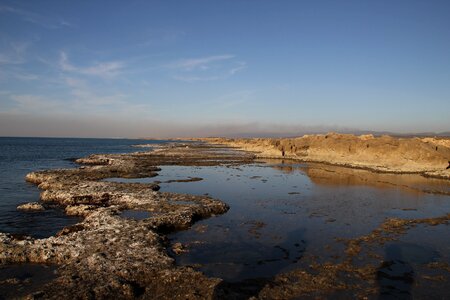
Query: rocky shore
x=107 y=255
x=427 y=156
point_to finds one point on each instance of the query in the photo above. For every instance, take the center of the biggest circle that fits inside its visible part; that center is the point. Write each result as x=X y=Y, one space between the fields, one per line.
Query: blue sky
x=175 y=68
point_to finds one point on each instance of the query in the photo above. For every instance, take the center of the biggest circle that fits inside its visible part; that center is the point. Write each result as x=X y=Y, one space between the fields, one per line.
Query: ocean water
x=19 y=156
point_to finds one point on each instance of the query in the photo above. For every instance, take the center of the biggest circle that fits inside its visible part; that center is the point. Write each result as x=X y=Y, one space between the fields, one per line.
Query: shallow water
x=282 y=212
x=407 y=270
x=20 y=280
x=19 y=156
x=136 y=214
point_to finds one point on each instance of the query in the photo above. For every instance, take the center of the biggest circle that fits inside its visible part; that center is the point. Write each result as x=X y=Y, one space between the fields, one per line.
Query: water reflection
x=19 y=280
x=341 y=176
x=38 y=224
x=396 y=276
x=282 y=212
x=301 y=209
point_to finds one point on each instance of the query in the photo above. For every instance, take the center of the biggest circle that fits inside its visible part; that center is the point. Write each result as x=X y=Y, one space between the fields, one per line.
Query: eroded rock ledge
x=428 y=156
x=107 y=255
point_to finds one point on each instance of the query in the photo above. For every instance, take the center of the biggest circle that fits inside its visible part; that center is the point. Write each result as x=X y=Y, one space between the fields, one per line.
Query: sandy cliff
x=428 y=156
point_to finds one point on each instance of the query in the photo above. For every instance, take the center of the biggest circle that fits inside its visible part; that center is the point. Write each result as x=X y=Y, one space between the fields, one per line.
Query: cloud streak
x=241 y=66
x=104 y=69
x=196 y=78
x=208 y=68
x=14 y=52
x=199 y=63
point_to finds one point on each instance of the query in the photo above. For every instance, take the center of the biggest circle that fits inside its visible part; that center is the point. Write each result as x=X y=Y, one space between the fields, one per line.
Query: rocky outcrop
x=428 y=156
x=107 y=255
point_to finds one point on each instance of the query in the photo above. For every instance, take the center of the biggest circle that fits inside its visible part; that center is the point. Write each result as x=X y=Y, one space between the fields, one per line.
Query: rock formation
x=427 y=156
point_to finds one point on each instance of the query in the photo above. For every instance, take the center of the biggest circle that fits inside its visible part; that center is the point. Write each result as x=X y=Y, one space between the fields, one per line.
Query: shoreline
x=106 y=254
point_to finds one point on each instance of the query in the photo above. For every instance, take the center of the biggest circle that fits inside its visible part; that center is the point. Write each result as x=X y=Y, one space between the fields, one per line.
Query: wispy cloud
x=207 y=68
x=8 y=59
x=85 y=95
x=154 y=37
x=35 y=18
x=240 y=66
x=85 y=103
x=195 y=78
x=13 y=53
x=199 y=63
x=104 y=69
x=82 y=101
x=64 y=23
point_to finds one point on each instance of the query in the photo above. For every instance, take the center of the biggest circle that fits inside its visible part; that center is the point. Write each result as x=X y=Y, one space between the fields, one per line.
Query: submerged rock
x=31 y=206
x=178 y=248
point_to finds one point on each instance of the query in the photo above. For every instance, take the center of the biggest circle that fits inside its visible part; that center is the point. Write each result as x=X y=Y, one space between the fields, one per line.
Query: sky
x=198 y=68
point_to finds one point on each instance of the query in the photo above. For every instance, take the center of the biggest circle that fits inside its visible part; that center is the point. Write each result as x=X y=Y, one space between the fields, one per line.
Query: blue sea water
x=19 y=156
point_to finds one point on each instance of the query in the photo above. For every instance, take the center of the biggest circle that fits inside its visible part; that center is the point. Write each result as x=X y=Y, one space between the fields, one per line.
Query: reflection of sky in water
x=29 y=279
x=280 y=212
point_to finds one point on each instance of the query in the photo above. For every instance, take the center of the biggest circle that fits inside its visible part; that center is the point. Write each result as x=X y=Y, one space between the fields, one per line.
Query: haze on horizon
x=198 y=68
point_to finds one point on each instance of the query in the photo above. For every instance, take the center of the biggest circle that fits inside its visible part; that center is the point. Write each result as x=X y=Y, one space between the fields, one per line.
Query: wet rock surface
x=113 y=253
x=107 y=254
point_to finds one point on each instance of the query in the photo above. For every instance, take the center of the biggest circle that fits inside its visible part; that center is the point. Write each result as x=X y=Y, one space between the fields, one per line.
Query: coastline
x=107 y=254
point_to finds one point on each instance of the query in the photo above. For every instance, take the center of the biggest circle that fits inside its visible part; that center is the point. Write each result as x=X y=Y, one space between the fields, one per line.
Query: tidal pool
x=283 y=214
x=136 y=214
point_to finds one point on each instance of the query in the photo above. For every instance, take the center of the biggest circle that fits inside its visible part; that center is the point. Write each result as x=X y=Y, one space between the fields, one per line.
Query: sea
x=21 y=155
